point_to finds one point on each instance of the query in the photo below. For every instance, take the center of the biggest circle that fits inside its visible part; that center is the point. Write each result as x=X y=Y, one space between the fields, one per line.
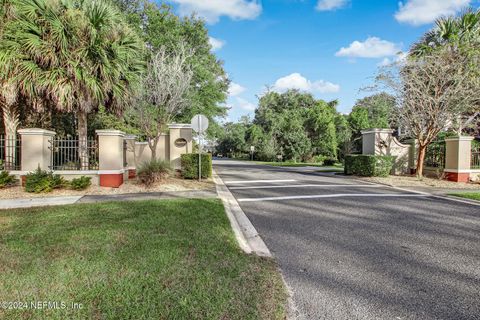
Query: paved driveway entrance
x=351 y=250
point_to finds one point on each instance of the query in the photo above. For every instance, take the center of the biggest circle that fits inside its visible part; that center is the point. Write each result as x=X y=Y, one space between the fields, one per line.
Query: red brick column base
x=457 y=176
x=111 y=180
x=132 y=173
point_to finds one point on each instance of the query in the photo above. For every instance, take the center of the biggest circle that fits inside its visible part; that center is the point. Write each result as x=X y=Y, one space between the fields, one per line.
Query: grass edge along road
x=467 y=195
x=321 y=167
x=175 y=259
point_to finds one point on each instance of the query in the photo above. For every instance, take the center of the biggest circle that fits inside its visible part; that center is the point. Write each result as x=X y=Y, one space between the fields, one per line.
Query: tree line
x=434 y=91
x=298 y=127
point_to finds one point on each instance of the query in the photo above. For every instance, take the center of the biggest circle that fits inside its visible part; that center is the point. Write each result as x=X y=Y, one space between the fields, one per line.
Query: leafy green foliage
x=153 y=171
x=190 y=165
x=160 y=27
x=369 y=165
x=40 y=181
x=81 y=183
x=6 y=179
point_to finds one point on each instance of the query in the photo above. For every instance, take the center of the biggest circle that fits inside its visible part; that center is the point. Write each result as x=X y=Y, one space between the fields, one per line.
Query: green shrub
x=319 y=159
x=81 y=183
x=190 y=165
x=43 y=181
x=6 y=179
x=369 y=165
x=330 y=162
x=153 y=171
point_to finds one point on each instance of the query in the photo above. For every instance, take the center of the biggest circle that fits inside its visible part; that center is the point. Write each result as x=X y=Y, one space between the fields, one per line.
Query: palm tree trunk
x=421 y=159
x=11 y=121
x=82 y=140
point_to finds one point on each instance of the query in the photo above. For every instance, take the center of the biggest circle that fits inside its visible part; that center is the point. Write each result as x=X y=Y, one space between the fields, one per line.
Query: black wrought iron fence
x=435 y=156
x=10 y=152
x=125 y=149
x=66 y=154
x=475 y=164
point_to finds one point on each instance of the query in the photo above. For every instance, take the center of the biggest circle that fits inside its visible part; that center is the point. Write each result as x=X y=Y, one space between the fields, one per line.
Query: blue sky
x=331 y=48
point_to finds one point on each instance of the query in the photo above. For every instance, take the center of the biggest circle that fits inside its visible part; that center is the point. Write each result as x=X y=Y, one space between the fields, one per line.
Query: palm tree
x=74 y=54
x=450 y=31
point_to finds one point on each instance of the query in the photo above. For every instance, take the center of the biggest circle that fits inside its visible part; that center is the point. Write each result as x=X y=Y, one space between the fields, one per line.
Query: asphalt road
x=351 y=250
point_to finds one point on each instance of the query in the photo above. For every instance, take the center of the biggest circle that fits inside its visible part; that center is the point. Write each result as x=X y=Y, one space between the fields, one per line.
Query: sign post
x=200 y=125
x=252 y=150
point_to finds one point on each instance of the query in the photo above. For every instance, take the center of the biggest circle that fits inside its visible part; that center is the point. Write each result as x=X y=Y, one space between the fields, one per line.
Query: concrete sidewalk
x=57 y=201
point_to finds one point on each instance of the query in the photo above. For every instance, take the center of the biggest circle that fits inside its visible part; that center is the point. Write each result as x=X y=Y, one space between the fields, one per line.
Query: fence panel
x=475 y=164
x=435 y=156
x=10 y=152
x=66 y=155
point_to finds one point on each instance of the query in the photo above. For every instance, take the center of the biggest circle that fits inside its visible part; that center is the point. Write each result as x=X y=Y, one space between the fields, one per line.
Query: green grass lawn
x=170 y=259
x=468 y=195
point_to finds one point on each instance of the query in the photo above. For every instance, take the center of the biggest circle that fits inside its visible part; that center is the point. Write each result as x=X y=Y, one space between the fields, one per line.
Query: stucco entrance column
x=111 y=157
x=458 y=156
x=180 y=143
x=36 y=149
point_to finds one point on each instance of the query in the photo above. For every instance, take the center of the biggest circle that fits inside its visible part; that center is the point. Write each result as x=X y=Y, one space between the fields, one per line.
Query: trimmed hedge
x=369 y=165
x=190 y=165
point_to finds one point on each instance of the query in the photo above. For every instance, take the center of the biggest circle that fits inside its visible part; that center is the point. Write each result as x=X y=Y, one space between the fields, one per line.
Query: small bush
x=319 y=159
x=43 y=181
x=369 y=165
x=330 y=162
x=153 y=171
x=81 y=183
x=6 y=179
x=190 y=165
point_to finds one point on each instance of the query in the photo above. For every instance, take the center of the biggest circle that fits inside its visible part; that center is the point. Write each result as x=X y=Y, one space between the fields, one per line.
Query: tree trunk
x=82 y=140
x=11 y=121
x=421 y=159
x=153 y=147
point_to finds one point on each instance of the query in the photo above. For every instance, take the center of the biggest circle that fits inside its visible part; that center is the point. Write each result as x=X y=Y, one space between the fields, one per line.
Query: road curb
x=246 y=234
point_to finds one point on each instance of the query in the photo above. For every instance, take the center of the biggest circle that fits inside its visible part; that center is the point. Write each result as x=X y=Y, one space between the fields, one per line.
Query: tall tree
x=431 y=91
x=161 y=28
x=164 y=93
x=75 y=54
x=461 y=36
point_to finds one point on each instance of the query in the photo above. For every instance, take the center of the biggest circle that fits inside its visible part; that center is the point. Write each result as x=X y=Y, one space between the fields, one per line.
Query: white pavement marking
x=257 y=181
x=309 y=186
x=339 y=195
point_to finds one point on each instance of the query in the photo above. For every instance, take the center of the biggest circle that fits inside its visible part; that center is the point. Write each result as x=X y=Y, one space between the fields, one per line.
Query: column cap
x=180 y=126
x=110 y=133
x=36 y=132
x=130 y=136
x=461 y=138
x=374 y=130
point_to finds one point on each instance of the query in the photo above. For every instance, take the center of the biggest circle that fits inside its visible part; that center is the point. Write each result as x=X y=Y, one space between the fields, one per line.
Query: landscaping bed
x=413 y=181
x=131 y=186
x=170 y=259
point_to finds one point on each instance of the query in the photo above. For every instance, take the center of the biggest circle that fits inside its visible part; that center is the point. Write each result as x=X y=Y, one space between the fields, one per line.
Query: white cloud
x=328 y=5
x=418 y=12
x=235 y=89
x=212 y=10
x=216 y=44
x=297 y=81
x=244 y=104
x=373 y=47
